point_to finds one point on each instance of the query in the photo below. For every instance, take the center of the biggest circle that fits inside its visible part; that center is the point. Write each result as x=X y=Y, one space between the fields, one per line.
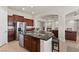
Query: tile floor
x=72 y=44
x=69 y=44
x=12 y=47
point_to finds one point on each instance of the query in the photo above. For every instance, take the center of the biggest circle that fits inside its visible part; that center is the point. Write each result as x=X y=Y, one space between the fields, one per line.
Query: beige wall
x=3 y=25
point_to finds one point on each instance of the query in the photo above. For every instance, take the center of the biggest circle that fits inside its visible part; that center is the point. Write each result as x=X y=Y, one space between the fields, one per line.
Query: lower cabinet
x=71 y=35
x=11 y=36
x=27 y=43
x=32 y=44
x=35 y=45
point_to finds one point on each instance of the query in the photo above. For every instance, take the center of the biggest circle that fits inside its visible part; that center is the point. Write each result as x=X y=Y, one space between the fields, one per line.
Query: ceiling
x=30 y=9
x=74 y=13
x=41 y=9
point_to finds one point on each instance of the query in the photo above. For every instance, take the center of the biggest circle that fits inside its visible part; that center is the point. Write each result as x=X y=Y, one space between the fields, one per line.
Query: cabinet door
x=30 y=22
x=33 y=45
x=25 y=20
x=18 y=18
x=27 y=43
x=10 y=21
x=10 y=36
x=38 y=45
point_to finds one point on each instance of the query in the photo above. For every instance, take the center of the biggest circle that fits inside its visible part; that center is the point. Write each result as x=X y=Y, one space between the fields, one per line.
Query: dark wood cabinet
x=32 y=44
x=11 y=33
x=11 y=23
x=71 y=35
x=10 y=20
x=30 y=29
x=18 y=18
x=25 y=20
x=29 y=22
x=11 y=36
x=27 y=43
x=35 y=44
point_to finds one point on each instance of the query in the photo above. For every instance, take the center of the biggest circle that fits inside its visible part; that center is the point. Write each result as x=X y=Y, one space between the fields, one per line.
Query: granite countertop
x=42 y=36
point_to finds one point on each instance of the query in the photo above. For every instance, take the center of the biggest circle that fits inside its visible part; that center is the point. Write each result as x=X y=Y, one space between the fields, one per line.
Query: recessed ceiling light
x=22 y=8
x=32 y=12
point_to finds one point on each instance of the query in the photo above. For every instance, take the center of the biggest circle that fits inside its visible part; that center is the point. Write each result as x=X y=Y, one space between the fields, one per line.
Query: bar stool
x=55 y=44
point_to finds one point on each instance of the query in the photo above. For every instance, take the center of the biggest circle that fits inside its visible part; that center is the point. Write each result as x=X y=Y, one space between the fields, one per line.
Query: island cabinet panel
x=32 y=44
x=35 y=44
x=27 y=43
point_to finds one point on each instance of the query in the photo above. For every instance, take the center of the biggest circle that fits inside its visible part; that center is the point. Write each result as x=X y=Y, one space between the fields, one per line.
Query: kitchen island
x=38 y=42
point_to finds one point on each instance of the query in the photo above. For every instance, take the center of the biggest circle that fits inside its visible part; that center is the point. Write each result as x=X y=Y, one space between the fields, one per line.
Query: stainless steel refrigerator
x=20 y=31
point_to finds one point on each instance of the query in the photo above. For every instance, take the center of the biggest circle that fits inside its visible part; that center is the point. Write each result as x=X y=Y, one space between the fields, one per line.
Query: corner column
x=61 y=28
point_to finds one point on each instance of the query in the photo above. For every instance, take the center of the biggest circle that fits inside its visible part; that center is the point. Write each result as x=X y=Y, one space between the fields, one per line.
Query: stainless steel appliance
x=20 y=31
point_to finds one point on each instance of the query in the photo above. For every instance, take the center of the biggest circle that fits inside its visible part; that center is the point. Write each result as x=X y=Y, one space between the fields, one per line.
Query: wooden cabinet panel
x=38 y=45
x=11 y=36
x=32 y=44
x=31 y=29
x=35 y=44
x=25 y=20
x=18 y=18
x=10 y=21
x=11 y=33
x=27 y=43
x=71 y=35
x=29 y=22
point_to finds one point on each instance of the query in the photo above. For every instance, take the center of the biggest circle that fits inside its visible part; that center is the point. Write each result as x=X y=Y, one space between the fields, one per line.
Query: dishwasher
x=21 y=40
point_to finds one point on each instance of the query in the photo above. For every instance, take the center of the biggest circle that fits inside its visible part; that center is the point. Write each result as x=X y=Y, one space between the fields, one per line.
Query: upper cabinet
x=10 y=20
x=18 y=18
x=29 y=22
